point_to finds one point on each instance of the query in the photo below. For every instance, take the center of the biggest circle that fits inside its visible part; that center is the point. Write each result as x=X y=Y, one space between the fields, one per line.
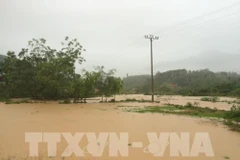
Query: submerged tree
x=106 y=84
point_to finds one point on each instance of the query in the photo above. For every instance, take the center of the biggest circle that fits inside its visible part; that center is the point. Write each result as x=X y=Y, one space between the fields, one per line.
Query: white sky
x=112 y=31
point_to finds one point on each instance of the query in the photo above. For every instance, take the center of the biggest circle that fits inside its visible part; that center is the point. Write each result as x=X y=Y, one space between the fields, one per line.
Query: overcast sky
x=112 y=31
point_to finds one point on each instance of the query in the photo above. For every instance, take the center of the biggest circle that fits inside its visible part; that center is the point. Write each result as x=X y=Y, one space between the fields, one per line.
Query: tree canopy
x=42 y=72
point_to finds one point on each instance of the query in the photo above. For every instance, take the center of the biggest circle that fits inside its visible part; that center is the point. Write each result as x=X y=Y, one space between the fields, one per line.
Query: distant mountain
x=213 y=61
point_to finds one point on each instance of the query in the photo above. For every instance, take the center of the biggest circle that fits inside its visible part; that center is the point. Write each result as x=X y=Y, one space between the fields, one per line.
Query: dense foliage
x=183 y=82
x=41 y=72
x=2 y=58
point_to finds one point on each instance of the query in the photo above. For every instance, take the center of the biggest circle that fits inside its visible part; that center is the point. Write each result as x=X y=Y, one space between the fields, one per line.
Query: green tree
x=42 y=72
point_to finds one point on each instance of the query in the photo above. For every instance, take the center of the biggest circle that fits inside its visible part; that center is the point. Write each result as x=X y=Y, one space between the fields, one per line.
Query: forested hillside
x=133 y=84
x=195 y=83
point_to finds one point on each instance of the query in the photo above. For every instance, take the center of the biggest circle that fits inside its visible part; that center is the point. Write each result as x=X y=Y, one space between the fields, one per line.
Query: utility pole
x=151 y=38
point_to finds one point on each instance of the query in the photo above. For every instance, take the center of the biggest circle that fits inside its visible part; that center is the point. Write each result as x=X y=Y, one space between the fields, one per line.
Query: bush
x=2 y=100
x=196 y=104
x=66 y=101
x=235 y=108
x=147 y=94
x=205 y=99
x=112 y=100
x=189 y=105
x=131 y=100
x=210 y=99
x=232 y=125
x=143 y=101
x=237 y=101
x=234 y=114
x=12 y=102
x=24 y=101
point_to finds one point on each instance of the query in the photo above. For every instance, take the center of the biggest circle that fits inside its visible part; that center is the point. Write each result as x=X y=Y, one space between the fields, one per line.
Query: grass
x=229 y=118
x=184 y=110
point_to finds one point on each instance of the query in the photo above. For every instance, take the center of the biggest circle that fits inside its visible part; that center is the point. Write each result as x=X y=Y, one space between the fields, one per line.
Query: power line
x=206 y=21
x=199 y=17
x=190 y=20
x=193 y=19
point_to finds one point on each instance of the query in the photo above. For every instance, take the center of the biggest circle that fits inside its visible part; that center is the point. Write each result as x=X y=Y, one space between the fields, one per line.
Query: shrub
x=147 y=94
x=235 y=108
x=205 y=99
x=196 y=104
x=24 y=101
x=234 y=114
x=232 y=125
x=12 y=102
x=211 y=99
x=237 y=101
x=2 y=100
x=131 y=100
x=66 y=101
x=143 y=100
x=112 y=100
x=215 y=99
x=189 y=105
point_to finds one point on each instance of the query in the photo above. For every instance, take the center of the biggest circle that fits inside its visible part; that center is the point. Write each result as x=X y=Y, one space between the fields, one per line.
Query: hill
x=133 y=84
x=213 y=60
x=195 y=83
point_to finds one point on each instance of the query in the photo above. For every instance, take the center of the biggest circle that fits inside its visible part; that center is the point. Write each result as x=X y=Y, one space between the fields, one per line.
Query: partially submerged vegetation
x=17 y=102
x=135 y=100
x=232 y=102
x=211 y=99
x=43 y=73
x=230 y=118
x=217 y=99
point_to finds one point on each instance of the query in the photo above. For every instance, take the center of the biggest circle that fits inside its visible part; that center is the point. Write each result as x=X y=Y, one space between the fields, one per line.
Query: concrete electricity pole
x=152 y=37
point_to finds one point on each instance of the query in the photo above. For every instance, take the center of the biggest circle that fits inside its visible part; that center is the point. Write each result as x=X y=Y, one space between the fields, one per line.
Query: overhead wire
x=193 y=19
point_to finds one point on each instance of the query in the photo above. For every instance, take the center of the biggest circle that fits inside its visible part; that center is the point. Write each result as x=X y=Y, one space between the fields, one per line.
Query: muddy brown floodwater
x=17 y=119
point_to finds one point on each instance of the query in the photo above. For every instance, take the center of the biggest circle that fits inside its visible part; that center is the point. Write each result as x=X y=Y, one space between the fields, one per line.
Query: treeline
x=41 y=72
x=183 y=82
